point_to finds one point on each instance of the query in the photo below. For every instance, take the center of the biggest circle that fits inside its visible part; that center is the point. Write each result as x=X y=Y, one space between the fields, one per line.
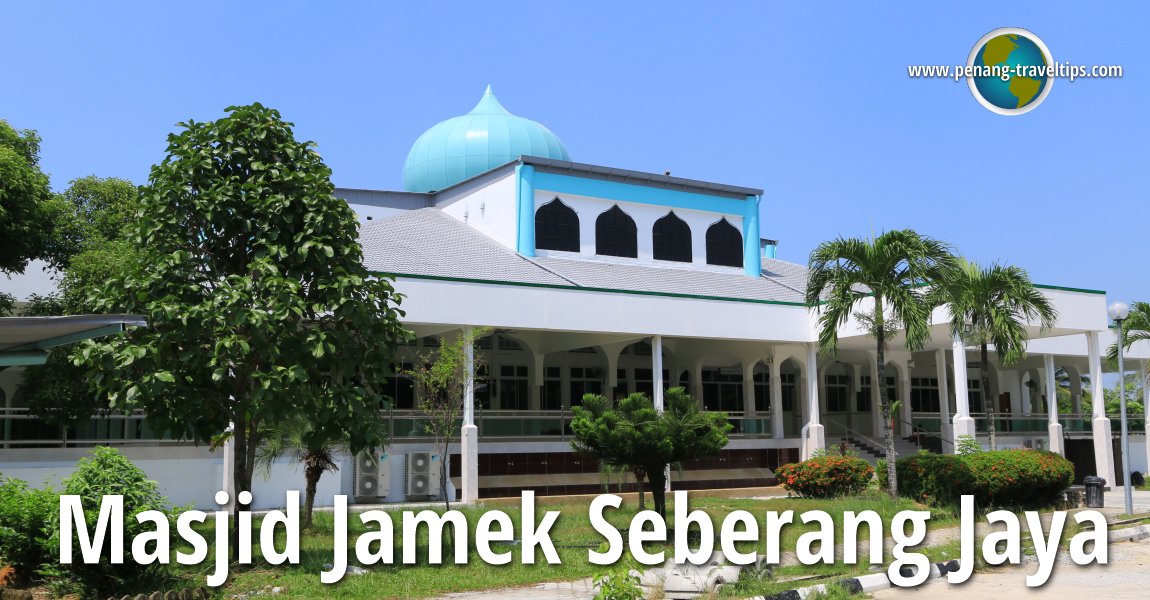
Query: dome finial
x=489 y=105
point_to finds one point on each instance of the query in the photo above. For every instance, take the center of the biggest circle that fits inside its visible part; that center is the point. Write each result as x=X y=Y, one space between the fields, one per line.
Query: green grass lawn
x=572 y=535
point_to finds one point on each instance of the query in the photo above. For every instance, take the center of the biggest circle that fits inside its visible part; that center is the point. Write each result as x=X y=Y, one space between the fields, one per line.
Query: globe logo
x=1012 y=71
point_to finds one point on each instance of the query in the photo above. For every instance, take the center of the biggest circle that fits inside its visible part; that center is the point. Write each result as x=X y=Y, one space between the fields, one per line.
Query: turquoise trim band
x=525 y=192
x=752 y=264
x=626 y=192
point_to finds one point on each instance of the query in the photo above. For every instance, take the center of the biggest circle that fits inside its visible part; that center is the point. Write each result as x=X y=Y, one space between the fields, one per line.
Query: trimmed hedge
x=1022 y=478
x=826 y=477
x=935 y=479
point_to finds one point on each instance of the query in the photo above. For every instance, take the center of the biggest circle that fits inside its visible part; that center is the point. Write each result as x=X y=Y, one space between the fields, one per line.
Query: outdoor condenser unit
x=372 y=475
x=423 y=473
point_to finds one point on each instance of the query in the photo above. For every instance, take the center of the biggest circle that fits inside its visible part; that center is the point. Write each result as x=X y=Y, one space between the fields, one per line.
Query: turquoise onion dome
x=465 y=146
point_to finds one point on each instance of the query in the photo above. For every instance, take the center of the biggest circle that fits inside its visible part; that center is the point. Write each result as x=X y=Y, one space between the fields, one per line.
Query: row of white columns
x=815 y=434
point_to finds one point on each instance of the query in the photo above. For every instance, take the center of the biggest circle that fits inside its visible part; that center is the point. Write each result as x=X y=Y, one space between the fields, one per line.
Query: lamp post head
x=1118 y=311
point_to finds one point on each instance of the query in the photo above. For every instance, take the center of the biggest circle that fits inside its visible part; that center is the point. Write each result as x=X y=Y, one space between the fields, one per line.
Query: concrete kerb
x=879 y=581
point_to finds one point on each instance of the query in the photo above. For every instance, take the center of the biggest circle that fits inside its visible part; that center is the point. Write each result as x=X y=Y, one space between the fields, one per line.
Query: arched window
x=556 y=227
x=672 y=239
x=616 y=234
x=724 y=245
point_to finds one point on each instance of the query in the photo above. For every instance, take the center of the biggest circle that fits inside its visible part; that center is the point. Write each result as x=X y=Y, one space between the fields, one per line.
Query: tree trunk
x=312 y=474
x=885 y=400
x=658 y=479
x=443 y=474
x=242 y=465
x=991 y=403
x=639 y=479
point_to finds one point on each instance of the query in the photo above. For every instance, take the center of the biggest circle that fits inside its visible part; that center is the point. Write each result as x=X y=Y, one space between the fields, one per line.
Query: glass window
x=762 y=392
x=924 y=394
x=585 y=380
x=722 y=391
x=556 y=227
x=724 y=245
x=552 y=397
x=836 y=391
x=616 y=234
x=514 y=390
x=401 y=389
x=672 y=239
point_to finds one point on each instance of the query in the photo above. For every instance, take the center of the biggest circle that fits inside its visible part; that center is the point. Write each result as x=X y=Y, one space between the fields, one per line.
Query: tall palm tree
x=993 y=305
x=886 y=277
x=1136 y=328
x=317 y=454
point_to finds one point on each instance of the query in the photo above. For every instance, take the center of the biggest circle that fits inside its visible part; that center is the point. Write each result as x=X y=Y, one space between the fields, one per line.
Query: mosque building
x=595 y=279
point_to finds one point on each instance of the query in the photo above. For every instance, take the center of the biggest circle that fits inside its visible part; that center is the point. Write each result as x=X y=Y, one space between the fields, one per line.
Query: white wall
x=187 y=475
x=491 y=209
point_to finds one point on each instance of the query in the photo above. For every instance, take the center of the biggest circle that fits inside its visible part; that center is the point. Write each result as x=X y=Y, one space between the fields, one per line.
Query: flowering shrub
x=826 y=477
x=1019 y=477
x=937 y=479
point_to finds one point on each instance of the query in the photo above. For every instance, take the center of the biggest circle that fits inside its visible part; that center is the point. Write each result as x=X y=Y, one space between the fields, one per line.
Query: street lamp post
x=1118 y=312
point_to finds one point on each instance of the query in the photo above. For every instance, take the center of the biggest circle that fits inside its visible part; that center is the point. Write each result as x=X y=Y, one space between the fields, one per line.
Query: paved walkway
x=1127 y=576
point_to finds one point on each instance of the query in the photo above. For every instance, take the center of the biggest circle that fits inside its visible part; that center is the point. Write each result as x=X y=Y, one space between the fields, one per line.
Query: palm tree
x=993 y=305
x=885 y=277
x=317 y=455
x=1136 y=328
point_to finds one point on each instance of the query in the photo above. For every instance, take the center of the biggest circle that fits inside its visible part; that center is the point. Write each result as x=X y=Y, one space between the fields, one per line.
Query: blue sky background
x=813 y=105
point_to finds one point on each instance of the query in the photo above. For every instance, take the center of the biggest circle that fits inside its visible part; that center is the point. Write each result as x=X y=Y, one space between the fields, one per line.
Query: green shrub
x=26 y=530
x=826 y=477
x=967 y=446
x=107 y=472
x=1019 y=478
x=936 y=479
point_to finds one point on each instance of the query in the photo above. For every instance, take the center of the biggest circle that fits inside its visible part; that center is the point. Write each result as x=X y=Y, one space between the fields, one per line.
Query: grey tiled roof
x=669 y=280
x=430 y=243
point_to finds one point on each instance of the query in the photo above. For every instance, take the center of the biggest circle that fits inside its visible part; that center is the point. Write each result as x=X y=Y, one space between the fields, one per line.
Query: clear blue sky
x=812 y=105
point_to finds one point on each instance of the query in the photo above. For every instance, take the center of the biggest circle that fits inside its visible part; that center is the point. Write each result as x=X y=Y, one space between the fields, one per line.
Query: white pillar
x=904 y=397
x=945 y=431
x=1056 y=443
x=963 y=422
x=1146 y=404
x=657 y=370
x=469 y=435
x=749 y=389
x=777 y=429
x=537 y=374
x=657 y=382
x=816 y=436
x=1103 y=439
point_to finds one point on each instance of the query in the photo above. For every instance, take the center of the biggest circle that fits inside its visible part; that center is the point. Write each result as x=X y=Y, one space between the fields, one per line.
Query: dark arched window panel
x=672 y=239
x=616 y=234
x=724 y=245
x=556 y=227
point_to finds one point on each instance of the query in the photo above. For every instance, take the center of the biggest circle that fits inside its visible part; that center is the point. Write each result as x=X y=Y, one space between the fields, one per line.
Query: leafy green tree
x=993 y=305
x=258 y=305
x=440 y=378
x=633 y=435
x=24 y=196
x=884 y=278
x=91 y=213
x=88 y=246
x=317 y=455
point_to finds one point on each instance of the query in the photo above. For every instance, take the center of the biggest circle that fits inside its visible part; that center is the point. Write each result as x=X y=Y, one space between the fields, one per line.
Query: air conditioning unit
x=423 y=473
x=372 y=475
